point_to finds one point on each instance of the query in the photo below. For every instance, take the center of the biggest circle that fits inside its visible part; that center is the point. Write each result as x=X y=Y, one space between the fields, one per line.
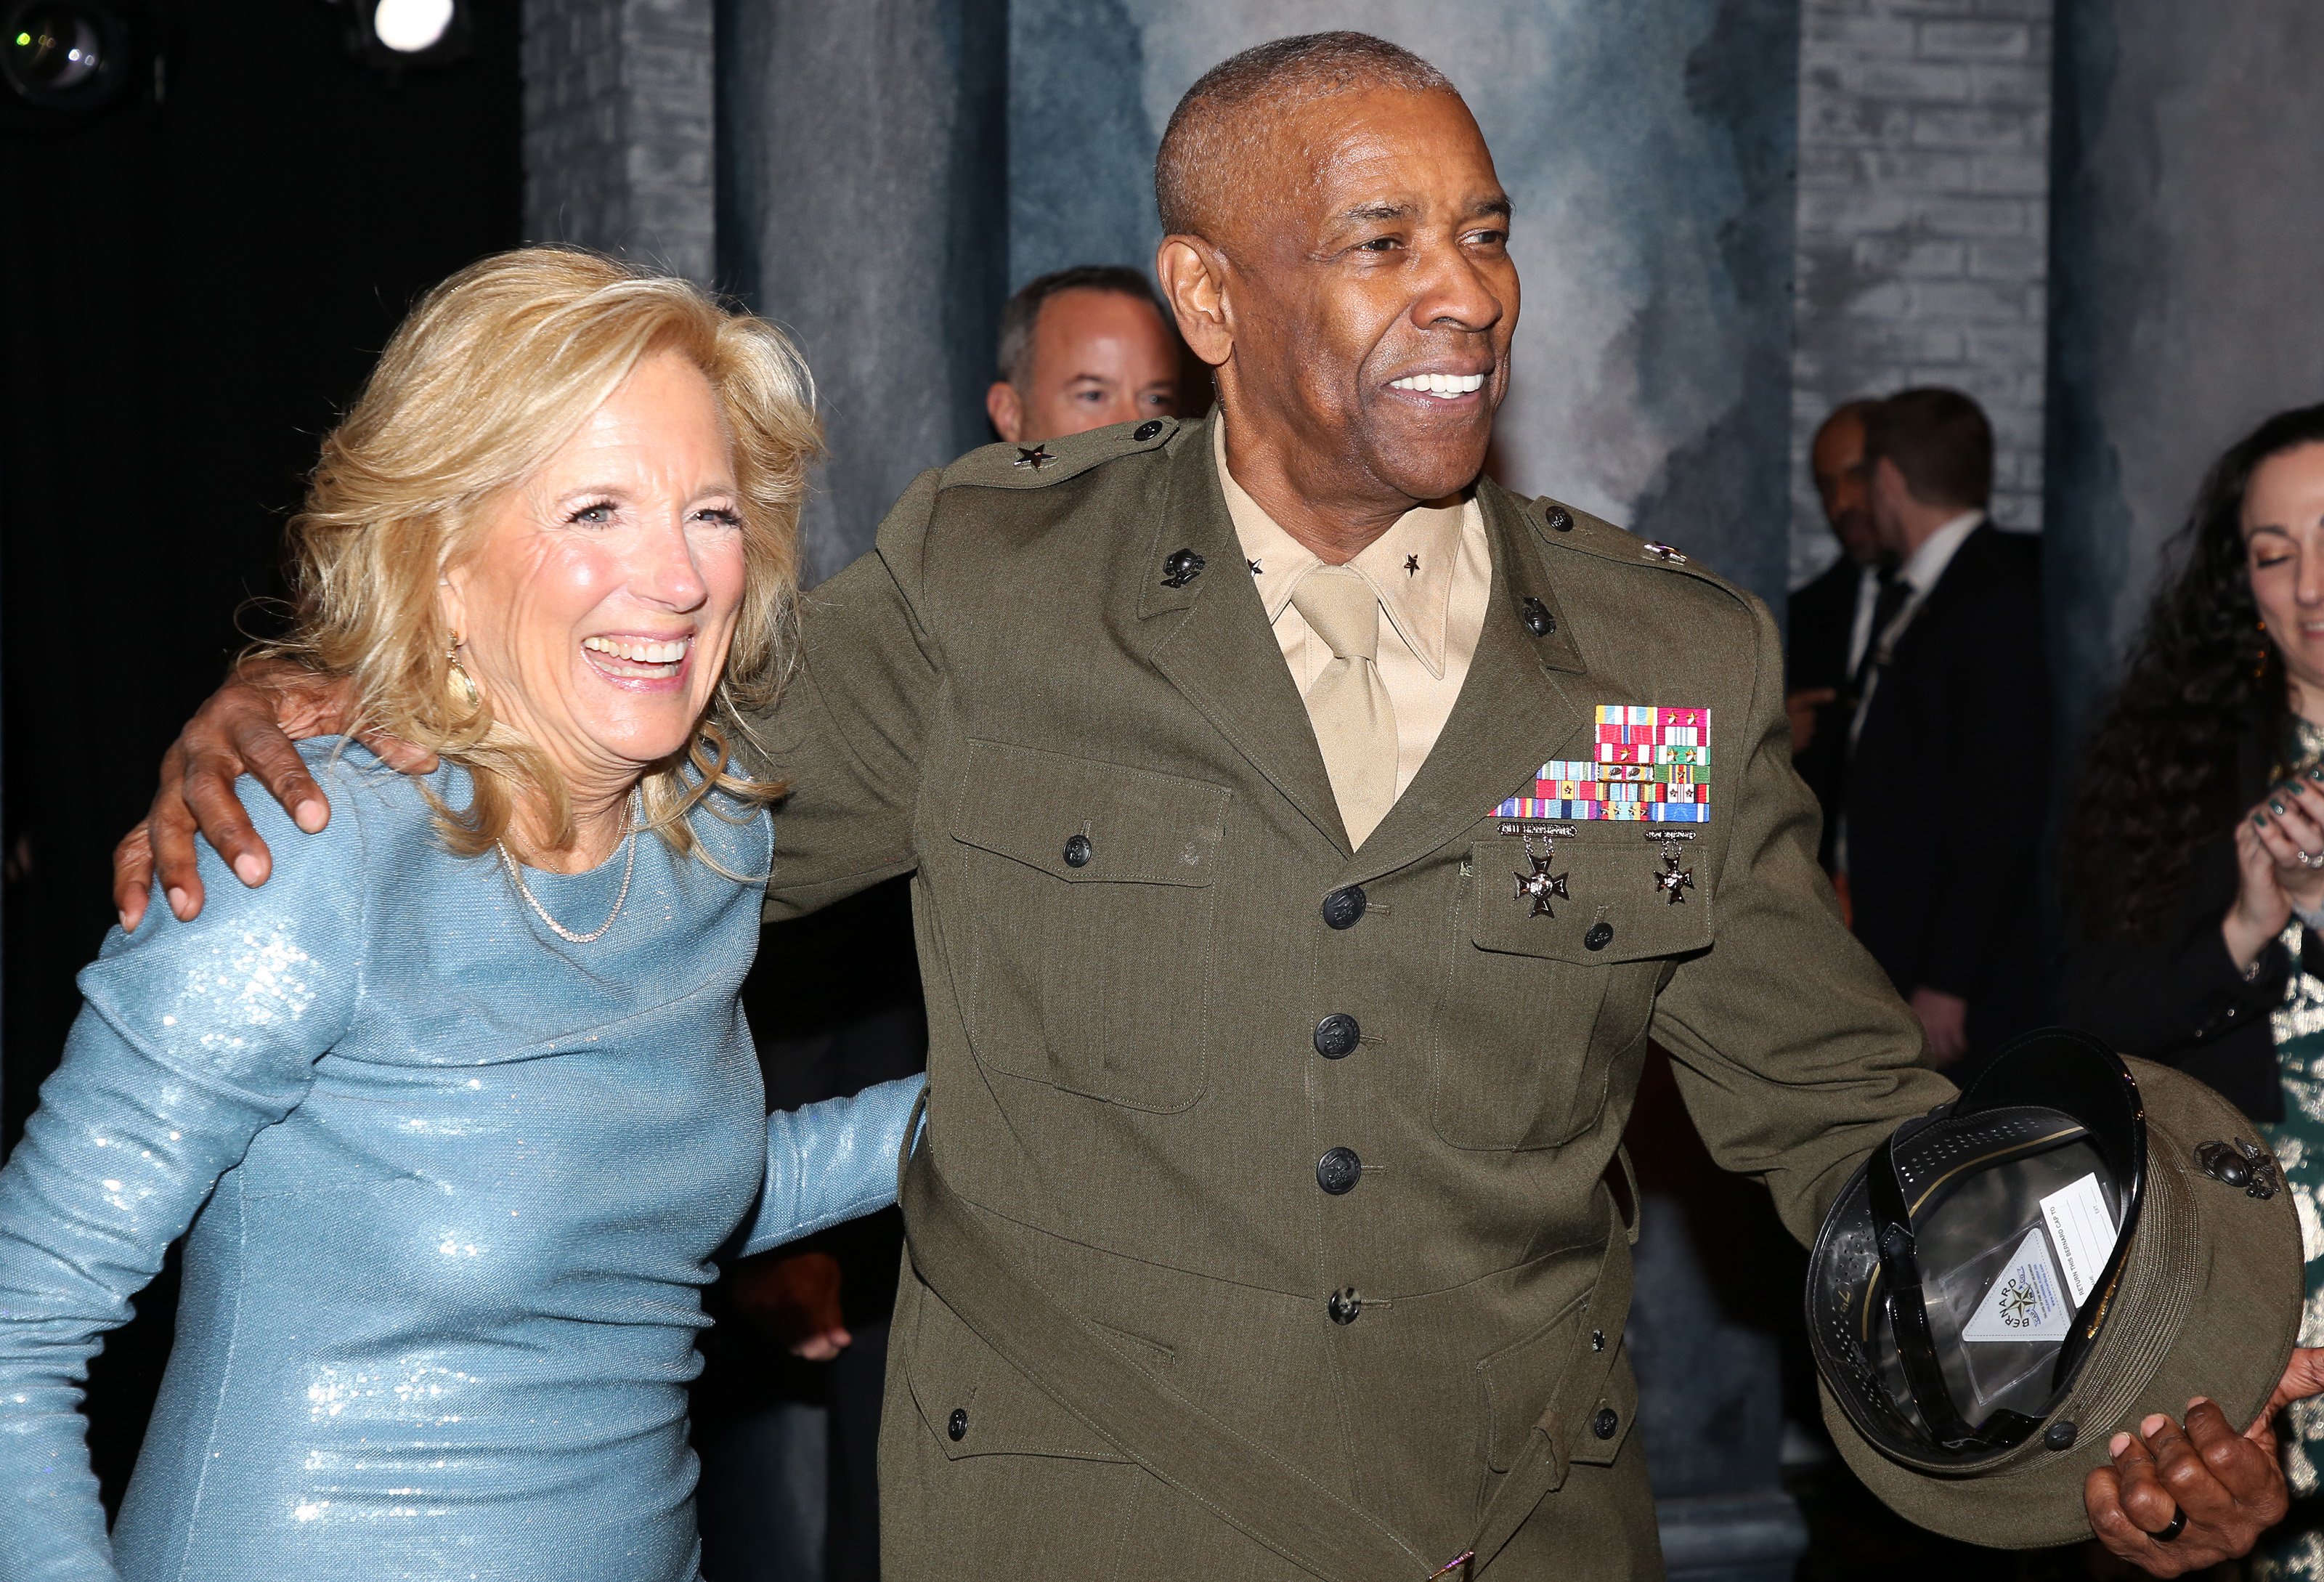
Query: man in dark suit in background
x=1829 y=622
x=1947 y=780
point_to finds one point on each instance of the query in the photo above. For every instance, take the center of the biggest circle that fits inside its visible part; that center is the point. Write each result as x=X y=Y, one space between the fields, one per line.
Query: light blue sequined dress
x=453 y=1183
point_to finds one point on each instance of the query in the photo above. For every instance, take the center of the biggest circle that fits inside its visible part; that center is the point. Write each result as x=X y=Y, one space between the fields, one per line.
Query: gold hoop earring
x=468 y=682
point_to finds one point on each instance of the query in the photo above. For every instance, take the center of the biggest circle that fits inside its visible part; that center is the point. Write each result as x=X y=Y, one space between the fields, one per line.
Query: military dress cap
x=2077 y=1242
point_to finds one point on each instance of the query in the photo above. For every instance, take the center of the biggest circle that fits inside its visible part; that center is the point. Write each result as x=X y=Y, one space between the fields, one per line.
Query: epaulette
x=1034 y=466
x=1568 y=527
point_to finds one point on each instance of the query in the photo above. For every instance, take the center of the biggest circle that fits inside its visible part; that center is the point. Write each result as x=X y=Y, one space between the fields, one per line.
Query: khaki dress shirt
x=1433 y=573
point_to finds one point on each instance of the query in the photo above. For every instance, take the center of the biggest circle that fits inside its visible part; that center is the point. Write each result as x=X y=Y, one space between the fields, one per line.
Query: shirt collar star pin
x=1412 y=565
x=1032 y=458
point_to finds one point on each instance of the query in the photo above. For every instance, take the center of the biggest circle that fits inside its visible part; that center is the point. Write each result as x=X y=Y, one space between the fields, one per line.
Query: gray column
x=618 y=128
x=1649 y=151
x=1923 y=202
x=2189 y=220
x=863 y=204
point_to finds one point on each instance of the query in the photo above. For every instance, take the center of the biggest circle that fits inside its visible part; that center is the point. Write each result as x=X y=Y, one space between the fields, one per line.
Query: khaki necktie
x=1349 y=705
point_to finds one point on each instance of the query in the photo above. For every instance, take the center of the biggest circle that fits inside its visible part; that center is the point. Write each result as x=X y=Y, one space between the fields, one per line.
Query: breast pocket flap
x=1083 y=821
x=1613 y=907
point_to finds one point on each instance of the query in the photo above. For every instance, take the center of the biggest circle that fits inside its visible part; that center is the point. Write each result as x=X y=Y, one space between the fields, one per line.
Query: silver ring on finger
x=2308 y=861
x=2177 y=1525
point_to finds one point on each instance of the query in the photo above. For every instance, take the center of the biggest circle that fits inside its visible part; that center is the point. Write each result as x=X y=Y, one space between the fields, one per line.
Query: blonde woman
x=459 y=1105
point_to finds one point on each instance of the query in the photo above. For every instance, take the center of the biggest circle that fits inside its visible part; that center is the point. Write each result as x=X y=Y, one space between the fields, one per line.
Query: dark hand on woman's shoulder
x=249 y=727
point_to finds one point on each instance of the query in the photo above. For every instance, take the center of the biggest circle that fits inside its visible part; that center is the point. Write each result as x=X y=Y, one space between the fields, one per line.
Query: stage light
x=68 y=55
x=410 y=26
x=402 y=35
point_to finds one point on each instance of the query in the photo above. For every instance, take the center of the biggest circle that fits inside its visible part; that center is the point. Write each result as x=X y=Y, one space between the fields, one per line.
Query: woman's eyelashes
x=607 y=513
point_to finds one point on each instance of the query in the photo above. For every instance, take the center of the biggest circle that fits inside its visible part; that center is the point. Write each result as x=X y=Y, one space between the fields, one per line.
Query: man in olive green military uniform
x=1271 y=787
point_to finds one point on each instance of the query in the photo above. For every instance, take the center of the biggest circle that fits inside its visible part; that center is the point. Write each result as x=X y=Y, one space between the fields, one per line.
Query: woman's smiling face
x=2284 y=546
x=595 y=609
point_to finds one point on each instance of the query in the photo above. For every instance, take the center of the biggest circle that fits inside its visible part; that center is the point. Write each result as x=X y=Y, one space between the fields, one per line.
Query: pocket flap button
x=1077 y=852
x=958 y=1427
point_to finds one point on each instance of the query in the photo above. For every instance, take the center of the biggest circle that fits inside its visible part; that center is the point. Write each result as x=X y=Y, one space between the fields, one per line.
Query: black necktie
x=1893 y=591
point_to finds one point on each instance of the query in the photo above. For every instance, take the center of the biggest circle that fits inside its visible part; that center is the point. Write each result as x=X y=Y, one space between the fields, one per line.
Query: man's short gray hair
x=1023 y=310
x=1216 y=124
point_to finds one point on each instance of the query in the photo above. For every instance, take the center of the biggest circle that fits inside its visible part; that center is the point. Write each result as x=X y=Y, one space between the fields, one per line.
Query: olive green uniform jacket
x=1125 y=1077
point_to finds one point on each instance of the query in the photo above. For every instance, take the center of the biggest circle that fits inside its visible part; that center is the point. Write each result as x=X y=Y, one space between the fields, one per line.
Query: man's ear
x=1006 y=408
x=1193 y=275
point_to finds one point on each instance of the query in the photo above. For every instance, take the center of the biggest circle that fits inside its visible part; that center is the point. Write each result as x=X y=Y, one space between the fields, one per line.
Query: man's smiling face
x=1371 y=298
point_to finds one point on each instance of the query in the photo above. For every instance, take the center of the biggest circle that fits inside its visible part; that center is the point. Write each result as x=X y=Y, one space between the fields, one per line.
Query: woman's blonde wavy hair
x=489 y=374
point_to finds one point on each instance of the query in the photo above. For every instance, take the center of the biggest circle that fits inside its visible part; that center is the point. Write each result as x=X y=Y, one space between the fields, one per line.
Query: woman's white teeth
x=1440 y=384
x=636 y=652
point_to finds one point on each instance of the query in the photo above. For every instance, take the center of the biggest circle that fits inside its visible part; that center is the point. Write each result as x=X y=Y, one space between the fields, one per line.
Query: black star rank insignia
x=1542 y=885
x=1254 y=567
x=1033 y=457
x=1412 y=565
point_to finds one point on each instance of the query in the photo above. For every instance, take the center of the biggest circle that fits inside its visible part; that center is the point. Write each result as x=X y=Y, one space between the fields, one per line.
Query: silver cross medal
x=1541 y=884
x=1674 y=881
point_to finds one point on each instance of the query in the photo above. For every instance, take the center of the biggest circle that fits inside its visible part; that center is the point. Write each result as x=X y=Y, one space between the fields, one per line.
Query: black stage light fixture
x=67 y=57
x=405 y=35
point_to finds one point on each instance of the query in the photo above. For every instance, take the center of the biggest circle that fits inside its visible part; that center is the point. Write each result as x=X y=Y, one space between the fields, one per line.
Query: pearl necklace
x=629 y=867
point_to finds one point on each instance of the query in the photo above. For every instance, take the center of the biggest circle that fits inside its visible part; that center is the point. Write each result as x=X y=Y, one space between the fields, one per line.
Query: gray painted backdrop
x=2187 y=219
x=1649 y=149
x=862 y=203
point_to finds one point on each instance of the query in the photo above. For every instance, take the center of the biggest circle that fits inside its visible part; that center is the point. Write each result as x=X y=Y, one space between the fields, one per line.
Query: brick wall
x=619 y=128
x=1923 y=215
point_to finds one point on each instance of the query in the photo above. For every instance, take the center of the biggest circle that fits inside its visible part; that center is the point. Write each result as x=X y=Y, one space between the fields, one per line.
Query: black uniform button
x=1559 y=521
x=1344 y=1306
x=1077 y=852
x=1339 y=1170
x=1344 y=907
x=2059 y=1435
x=1600 y=935
x=1147 y=430
x=1537 y=618
x=1604 y=1424
x=958 y=1427
x=1597 y=1340
x=1337 y=1035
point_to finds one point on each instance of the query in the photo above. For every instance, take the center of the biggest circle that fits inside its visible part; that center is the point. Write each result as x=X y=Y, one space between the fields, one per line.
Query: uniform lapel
x=1514 y=713
x=1222 y=654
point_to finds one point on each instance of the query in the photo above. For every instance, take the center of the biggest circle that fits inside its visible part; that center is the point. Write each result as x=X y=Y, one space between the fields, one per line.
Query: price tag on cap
x=2083 y=1232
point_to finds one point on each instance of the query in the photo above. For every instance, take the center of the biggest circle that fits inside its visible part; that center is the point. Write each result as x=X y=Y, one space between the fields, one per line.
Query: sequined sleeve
x=192 y=1038
x=832 y=1162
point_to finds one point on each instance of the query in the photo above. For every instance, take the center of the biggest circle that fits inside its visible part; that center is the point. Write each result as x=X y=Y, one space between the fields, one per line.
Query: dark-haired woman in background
x=2195 y=861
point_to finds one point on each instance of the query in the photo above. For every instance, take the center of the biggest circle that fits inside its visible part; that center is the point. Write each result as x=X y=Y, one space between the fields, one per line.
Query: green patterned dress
x=2293 y=1551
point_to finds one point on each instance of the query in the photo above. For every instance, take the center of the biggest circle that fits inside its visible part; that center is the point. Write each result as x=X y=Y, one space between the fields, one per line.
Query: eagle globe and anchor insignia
x=1649 y=765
